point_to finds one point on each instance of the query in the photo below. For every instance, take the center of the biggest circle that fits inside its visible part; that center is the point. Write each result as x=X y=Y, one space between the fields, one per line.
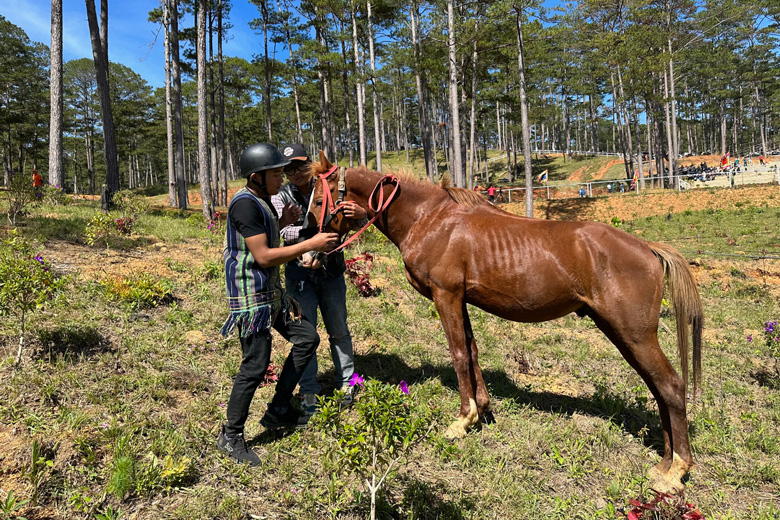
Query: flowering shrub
x=358 y=269
x=53 y=195
x=101 y=228
x=215 y=224
x=26 y=282
x=20 y=195
x=374 y=437
x=663 y=507
x=131 y=204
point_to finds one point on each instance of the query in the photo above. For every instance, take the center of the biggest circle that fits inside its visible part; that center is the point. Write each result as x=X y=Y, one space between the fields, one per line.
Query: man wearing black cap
x=317 y=280
x=257 y=302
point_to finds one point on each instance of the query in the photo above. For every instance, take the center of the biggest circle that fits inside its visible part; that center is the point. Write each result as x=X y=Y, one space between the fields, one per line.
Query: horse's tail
x=687 y=307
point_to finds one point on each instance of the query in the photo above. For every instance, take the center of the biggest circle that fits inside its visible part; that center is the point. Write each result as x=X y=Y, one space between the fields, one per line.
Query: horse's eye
x=318 y=203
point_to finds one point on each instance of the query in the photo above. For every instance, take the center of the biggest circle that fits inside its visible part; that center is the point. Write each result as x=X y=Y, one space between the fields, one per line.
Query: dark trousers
x=256 y=357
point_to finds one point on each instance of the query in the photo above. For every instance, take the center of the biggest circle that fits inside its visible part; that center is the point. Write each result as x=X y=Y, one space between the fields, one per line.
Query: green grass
x=126 y=402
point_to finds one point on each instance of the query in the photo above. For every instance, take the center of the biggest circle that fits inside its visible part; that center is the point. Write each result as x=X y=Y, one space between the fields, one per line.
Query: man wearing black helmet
x=257 y=301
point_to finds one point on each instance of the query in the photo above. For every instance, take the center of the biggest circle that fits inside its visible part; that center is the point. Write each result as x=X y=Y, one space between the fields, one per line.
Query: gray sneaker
x=309 y=404
x=348 y=399
x=235 y=447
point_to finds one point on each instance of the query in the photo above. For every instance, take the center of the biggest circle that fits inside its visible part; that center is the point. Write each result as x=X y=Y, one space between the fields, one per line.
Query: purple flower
x=356 y=379
x=39 y=258
x=404 y=387
x=750 y=339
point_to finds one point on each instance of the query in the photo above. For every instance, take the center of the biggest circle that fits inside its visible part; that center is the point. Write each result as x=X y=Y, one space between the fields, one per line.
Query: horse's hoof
x=455 y=431
x=487 y=417
x=654 y=474
x=663 y=485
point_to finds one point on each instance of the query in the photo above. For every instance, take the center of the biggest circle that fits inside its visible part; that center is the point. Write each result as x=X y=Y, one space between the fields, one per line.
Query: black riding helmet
x=259 y=157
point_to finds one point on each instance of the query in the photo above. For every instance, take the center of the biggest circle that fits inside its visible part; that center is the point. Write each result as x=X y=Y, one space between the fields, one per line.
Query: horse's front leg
x=451 y=310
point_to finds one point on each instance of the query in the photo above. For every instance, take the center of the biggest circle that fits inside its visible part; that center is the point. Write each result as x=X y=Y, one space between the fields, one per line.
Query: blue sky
x=131 y=38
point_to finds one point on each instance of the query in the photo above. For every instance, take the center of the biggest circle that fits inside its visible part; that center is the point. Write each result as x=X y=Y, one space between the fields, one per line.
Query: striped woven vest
x=254 y=294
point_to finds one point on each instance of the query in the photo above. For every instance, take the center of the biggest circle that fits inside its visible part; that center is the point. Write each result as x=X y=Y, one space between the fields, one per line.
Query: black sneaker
x=274 y=419
x=235 y=447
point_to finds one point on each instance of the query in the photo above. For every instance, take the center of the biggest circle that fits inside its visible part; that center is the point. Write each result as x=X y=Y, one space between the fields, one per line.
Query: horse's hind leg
x=483 y=398
x=451 y=308
x=647 y=358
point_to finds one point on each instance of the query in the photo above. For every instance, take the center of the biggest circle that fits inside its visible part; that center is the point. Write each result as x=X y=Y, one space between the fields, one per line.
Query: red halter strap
x=327 y=197
x=378 y=208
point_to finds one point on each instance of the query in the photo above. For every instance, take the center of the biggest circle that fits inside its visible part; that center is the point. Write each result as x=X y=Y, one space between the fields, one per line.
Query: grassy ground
x=120 y=398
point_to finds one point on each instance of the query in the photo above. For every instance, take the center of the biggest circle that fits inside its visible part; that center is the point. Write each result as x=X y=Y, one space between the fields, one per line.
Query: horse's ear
x=324 y=161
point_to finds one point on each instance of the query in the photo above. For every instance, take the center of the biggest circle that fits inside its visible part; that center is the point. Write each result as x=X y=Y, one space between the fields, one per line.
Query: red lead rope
x=377 y=208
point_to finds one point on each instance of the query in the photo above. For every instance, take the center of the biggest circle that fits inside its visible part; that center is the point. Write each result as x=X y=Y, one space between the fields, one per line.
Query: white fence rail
x=604 y=187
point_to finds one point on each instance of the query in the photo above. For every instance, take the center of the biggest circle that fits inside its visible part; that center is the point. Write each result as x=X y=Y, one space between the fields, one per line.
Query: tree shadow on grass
x=71 y=342
x=423 y=500
x=636 y=418
x=568 y=209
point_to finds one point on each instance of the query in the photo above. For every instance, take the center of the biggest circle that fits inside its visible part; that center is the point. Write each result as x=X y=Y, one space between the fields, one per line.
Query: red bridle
x=329 y=205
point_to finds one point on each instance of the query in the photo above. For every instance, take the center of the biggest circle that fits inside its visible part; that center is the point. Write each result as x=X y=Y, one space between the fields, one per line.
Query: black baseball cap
x=295 y=152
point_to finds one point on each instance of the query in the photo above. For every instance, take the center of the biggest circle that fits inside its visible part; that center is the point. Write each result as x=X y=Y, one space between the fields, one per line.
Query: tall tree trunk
x=456 y=172
x=617 y=116
x=181 y=174
x=267 y=62
x=203 y=152
x=56 y=176
x=100 y=57
x=168 y=116
x=422 y=105
x=670 y=146
x=293 y=68
x=347 y=107
x=322 y=82
x=212 y=114
x=675 y=152
x=627 y=125
x=374 y=93
x=529 y=192
x=359 y=88
x=221 y=135
x=473 y=119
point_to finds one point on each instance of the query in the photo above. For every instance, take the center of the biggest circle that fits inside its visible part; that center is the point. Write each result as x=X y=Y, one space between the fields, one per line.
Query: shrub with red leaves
x=270 y=377
x=662 y=507
x=124 y=225
x=358 y=269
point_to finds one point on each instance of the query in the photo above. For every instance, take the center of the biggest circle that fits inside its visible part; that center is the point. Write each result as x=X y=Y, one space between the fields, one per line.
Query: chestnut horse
x=458 y=249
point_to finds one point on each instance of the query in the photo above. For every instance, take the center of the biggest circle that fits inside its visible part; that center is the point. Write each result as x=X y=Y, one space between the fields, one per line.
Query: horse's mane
x=461 y=196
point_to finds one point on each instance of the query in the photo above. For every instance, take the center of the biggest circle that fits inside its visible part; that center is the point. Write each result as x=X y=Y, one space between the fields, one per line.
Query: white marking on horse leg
x=461 y=425
x=671 y=481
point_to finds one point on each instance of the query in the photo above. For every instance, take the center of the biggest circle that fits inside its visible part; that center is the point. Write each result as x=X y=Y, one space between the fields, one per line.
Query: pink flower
x=356 y=379
x=104 y=425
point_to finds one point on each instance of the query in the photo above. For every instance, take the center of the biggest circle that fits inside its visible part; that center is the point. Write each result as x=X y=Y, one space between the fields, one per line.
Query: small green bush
x=101 y=229
x=26 y=282
x=20 y=196
x=138 y=291
x=131 y=204
x=53 y=196
x=376 y=435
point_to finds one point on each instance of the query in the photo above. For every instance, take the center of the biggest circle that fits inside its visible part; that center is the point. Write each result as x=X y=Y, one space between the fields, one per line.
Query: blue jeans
x=330 y=295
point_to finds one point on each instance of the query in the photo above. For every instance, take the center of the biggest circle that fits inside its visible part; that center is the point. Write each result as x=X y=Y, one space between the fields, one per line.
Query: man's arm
x=269 y=257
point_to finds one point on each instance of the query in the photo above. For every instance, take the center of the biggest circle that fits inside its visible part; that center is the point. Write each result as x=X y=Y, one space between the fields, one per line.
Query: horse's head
x=325 y=212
